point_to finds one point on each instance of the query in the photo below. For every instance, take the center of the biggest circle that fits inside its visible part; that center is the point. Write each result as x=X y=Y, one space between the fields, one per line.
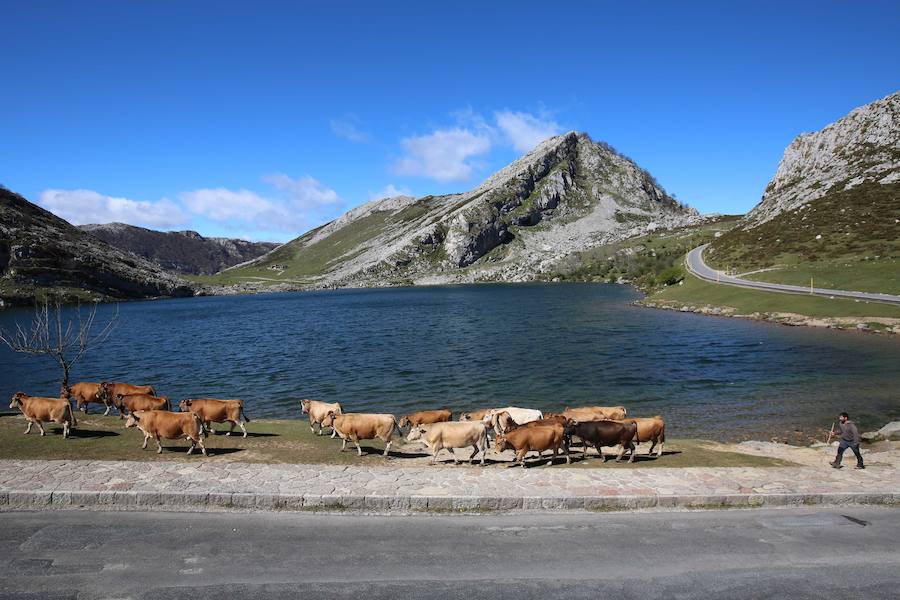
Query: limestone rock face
x=567 y=195
x=862 y=147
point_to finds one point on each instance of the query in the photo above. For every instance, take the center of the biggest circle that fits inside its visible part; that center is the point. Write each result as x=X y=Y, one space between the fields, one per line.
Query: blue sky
x=264 y=119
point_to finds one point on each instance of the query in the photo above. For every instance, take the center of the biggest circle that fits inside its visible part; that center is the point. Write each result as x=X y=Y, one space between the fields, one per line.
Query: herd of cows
x=523 y=430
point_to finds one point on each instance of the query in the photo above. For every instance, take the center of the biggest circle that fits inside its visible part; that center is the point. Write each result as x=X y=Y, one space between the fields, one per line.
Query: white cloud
x=302 y=202
x=303 y=192
x=390 y=191
x=524 y=130
x=443 y=155
x=348 y=128
x=80 y=207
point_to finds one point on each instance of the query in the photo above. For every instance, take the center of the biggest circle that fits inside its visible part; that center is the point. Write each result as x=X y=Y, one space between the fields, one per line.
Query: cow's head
x=16 y=400
x=185 y=405
x=404 y=421
x=119 y=399
x=133 y=420
x=500 y=444
x=415 y=433
x=328 y=421
x=465 y=416
x=304 y=406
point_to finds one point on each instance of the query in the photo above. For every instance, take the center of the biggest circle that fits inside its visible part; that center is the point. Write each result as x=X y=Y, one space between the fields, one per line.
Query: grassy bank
x=271 y=441
x=696 y=293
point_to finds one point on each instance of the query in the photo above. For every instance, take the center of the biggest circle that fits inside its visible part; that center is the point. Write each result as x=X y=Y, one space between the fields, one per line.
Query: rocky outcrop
x=41 y=253
x=862 y=147
x=567 y=195
x=185 y=252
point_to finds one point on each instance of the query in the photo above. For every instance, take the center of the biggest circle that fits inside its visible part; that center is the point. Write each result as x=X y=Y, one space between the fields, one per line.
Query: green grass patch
x=880 y=276
x=699 y=293
x=290 y=441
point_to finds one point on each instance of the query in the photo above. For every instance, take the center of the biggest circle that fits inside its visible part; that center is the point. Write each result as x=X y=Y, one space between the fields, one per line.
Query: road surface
x=699 y=268
x=797 y=553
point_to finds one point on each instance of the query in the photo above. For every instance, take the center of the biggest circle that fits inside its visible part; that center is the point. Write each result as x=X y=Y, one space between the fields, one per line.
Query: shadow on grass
x=89 y=433
x=184 y=449
x=240 y=434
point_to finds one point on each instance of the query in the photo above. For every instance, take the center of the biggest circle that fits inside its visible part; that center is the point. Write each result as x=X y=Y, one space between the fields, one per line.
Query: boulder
x=891 y=431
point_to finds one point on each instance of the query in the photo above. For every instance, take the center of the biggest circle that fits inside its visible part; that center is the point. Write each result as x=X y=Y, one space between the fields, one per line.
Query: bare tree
x=66 y=339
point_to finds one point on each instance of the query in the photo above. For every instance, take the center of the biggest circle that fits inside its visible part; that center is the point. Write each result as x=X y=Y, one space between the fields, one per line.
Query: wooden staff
x=830 y=433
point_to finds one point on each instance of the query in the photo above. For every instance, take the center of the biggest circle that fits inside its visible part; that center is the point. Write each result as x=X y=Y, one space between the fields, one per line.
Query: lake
x=464 y=347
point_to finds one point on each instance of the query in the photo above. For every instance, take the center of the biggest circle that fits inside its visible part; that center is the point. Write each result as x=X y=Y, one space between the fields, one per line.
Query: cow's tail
x=152 y=390
x=73 y=421
x=243 y=414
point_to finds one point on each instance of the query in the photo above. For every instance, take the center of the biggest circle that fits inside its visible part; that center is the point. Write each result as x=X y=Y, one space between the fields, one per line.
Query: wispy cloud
x=81 y=207
x=349 y=128
x=524 y=130
x=389 y=191
x=444 y=155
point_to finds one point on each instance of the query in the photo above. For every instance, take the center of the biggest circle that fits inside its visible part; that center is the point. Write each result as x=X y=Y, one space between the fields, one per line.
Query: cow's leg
x=552 y=458
x=244 y=429
x=434 y=453
x=311 y=428
x=659 y=449
x=358 y=449
x=158 y=445
x=146 y=439
x=652 y=446
x=343 y=444
x=230 y=429
x=621 y=453
x=387 y=447
x=28 y=428
x=106 y=413
x=202 y=447
x=41 y=427
x=633 y=452
x=474 y=454
x=333 y=432
x=193 y=443
x=65 y=429
x=210 y=427
x=521 y=456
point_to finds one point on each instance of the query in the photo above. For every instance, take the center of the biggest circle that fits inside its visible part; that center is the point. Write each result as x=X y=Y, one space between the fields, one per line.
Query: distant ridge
x=185 y=252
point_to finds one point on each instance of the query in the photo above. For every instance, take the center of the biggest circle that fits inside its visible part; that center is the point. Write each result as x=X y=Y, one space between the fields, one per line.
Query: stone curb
x=215 y=501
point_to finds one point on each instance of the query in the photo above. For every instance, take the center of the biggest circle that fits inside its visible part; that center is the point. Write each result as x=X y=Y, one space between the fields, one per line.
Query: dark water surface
x=463 y=347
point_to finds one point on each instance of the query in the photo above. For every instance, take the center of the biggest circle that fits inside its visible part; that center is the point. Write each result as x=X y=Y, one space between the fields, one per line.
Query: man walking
x=849 y=439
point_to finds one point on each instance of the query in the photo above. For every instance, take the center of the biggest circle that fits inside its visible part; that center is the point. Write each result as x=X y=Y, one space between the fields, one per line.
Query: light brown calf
x=475 y=415
x=362 y=426
x=317 y=412
x=650 y=429
x=39 y=410
x=85 y=393
x=211 y=410
x=424 y=417
x=537 y=438
x=596 y=413
x=133 y=402
x=158 y=424
x=109 y=390
x=451 y=435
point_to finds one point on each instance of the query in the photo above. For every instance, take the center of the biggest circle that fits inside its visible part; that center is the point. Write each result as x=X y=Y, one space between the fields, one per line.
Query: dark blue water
x=464 y=347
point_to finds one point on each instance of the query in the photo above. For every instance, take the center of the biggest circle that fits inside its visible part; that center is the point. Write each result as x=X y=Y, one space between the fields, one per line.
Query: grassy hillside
x=845 y=240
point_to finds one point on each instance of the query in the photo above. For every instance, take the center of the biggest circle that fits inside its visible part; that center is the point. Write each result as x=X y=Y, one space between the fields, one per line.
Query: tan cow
x=650 y=429
x=425 y=417
x=475 y=415
x=211 y=410
x=133 y=402
x=158 y=424
x=39 y=410
x=596 y=413
x=537 y=438
x=519 y=415
x=452 y=435
x=362 y=426
x=109 y=390
x=317 y=412
x=85 y=393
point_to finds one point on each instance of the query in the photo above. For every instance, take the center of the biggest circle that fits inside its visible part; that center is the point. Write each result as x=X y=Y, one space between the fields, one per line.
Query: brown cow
x=362 y=426
x=167 y=425
x=538 y=438
x=109 y=390
x=650 y=429
x=84 y=393
x=38 y=410
x=604 y=433
x=503 y=421
x=475 y=415
x=596 y=413
x=211 y=410
x=317 y=411
x=133 y=402
x=425 y=417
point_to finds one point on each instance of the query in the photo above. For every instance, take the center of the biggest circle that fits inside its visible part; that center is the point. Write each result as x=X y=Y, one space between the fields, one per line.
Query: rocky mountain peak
x=862 y=147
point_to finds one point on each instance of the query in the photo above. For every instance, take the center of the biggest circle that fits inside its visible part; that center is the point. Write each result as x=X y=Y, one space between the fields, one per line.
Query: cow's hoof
x=227 y=434
x=245 y=435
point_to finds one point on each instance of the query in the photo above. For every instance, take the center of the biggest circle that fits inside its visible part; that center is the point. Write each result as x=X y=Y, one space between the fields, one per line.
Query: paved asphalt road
x=699 y=268
x=816 y=553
